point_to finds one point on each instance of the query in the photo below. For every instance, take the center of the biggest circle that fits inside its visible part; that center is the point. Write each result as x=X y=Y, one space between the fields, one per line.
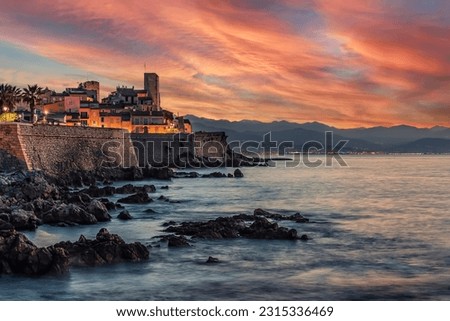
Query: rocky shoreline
x=30 y=199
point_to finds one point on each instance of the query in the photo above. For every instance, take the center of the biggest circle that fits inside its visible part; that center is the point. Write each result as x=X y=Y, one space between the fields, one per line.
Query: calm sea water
x=379 y=228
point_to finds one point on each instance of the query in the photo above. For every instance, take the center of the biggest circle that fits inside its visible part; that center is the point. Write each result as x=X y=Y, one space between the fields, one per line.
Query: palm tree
x=4 y=96
x=31 y=96
x=9 y=97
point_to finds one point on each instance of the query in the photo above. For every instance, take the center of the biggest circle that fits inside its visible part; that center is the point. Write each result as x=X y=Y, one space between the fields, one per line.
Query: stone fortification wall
x=210 y=144
x=58 y=149
x=163 y=149
x=183 y=150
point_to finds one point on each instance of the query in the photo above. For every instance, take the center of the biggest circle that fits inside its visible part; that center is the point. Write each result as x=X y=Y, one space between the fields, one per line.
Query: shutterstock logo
x=186 y=151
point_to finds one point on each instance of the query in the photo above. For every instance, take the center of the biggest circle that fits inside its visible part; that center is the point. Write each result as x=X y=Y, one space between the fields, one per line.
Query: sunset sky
x=345 y=63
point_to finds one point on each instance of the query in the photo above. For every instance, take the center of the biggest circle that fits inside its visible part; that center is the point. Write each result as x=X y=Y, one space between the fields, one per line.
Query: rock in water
x=212 y=260
x=238 y=173
x=18 y=255
x=99 y=210
x=138 y=198
x=23 y=220
x=177 y=241
x=68 y=214
x=105 y=249
x=124 y=215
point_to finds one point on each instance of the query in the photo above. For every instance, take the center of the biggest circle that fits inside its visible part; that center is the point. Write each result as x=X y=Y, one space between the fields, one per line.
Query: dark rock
x=138 y=198
x=28 y=207
x=162 y=198
x=186 y=175
x=260 y=211
x=212 y=260
x=304 y=237
x=124 y=215
x=220 y=228
x=133 y=173
x=42 y=206
x=24 y=220
x=126 y=189
x=230 y=175
x=233 y=227
x=79 y=198
x=297 y=217
x=95 y=191
x=163 y=173
x=108 y=204
x=119 y=206
x=5 y=226
x=165 y=187
x=214 y=174
x=99 y=210
x=36 y=186
x=105 y=249
x=148 y=188
x=149 y=210
x=18 y=255
x=169 y=223
x=130 y=189
x=244 y=217
x=177 y=241
x=68 y=214
x=263 y=229
x=238 y=173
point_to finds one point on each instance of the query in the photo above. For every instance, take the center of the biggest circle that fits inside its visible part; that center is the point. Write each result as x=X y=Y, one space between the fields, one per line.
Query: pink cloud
x=359 y=63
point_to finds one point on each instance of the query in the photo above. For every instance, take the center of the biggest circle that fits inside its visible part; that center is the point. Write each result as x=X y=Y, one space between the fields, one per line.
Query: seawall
x=184 y=150
x=59 y=149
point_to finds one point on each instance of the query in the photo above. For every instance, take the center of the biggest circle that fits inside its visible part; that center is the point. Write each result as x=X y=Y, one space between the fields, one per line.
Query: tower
x=151 y=85
x=93 y=86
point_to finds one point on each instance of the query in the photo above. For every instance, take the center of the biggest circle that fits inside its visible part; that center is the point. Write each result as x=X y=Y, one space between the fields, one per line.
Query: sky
x=346 y=63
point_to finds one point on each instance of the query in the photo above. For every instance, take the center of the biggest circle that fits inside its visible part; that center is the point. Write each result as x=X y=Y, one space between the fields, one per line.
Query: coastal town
x=135 y=110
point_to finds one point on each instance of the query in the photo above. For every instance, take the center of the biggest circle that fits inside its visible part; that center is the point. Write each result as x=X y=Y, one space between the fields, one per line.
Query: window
x=102 y=119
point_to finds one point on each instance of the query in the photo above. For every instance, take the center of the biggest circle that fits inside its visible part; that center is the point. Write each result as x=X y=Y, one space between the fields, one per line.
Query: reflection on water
x=378 y=227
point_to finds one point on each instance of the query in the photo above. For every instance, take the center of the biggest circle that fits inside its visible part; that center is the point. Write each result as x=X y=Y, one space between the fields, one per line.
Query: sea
x=379 y=230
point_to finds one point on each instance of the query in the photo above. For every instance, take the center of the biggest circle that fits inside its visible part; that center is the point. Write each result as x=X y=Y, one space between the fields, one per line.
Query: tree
x=31 y=96
x=9 y=97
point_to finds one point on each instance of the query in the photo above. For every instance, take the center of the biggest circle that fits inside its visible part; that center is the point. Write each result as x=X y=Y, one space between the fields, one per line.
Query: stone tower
x=151 y=85
x=94 y=86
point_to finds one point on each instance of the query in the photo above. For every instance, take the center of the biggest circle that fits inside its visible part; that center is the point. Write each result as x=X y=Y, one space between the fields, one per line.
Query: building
x=136 y=110
x=151 y=86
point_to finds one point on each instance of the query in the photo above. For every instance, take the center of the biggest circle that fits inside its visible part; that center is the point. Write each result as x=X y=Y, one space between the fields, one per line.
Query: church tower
x=151 y=85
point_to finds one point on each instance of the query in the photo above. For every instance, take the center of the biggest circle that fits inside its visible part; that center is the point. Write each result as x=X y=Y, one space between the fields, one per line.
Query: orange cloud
x=346 y=63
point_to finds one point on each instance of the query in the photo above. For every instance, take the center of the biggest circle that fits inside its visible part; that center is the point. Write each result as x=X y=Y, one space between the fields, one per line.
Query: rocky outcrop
x=95 y=191
x=297 y=217
x=21 y=219
x=124 y=216
x=212 y=260
x=18 y=255
x=68 y=214
x=177 y=241
x=138 y=198
x=163 y=173
x=106 y=248
x=261 y=227
x=238 y=173
x=131 y=189
x=99 y=210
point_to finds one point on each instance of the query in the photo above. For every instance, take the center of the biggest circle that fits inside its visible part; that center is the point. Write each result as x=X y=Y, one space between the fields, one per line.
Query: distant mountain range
x=396 y=139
